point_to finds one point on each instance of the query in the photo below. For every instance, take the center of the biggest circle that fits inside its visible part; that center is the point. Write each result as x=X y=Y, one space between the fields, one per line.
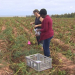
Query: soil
x=15 y=31
x=63 y=45
x=3 y=28
x=68 y=63
x=5 y=71
x=4 y=68
x=69 y=66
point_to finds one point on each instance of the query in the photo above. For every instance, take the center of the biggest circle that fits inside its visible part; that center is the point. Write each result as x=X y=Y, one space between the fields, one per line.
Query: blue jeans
x=46 y=44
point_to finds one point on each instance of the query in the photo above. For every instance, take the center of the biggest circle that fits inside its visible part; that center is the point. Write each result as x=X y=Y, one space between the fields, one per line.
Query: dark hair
x=36 y=10
x=43 y=12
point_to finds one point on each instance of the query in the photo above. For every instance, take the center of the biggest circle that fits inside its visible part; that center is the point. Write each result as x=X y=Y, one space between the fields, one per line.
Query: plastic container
x=39 y=62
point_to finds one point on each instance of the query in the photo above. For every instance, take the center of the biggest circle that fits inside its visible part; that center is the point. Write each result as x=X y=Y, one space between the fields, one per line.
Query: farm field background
x=14 y=35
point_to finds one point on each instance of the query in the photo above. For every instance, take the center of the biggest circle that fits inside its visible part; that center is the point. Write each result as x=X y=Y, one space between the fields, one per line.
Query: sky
x=26 y=7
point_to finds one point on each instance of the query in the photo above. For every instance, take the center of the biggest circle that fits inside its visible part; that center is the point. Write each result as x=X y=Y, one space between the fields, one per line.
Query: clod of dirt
x=68 y=64
x=3 y=28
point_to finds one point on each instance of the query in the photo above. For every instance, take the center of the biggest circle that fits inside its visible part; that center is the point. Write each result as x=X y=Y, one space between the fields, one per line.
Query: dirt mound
x=69 y=66
x=3 y=28
x=5 y=71
x=15 y=31
x=63 y=45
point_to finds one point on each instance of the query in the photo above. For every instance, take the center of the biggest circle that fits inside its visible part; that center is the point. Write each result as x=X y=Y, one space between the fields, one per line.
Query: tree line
x=72 y=15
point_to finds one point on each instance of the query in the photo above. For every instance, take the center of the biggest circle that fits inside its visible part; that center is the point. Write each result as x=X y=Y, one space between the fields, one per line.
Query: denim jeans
x=46 y=45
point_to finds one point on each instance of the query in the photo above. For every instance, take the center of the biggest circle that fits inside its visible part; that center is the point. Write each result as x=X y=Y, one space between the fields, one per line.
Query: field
x=14 y=35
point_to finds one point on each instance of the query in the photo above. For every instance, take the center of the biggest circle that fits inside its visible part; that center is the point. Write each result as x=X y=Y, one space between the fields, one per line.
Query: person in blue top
x=37 y=24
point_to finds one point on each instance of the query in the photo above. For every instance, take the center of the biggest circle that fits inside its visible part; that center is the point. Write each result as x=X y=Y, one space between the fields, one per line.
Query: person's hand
x=36 y=26
x=36 y=35
x=31 y=23
x=38 y=30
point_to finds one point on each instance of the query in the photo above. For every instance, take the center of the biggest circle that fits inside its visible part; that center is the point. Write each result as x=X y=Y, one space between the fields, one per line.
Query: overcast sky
x=26 y=7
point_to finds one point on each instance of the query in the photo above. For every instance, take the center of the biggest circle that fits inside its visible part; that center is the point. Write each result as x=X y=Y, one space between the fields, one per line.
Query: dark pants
x=46 y=44
x=38 y=38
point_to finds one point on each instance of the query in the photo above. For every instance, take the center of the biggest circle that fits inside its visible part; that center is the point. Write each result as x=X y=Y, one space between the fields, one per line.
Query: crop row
x=17 y=47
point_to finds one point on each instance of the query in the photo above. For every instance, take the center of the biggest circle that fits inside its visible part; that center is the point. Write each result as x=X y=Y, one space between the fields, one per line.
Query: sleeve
x=45 y=26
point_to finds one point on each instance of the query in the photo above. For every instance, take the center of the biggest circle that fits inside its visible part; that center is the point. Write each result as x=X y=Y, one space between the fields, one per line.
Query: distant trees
x=72 y=15
x=30 y=16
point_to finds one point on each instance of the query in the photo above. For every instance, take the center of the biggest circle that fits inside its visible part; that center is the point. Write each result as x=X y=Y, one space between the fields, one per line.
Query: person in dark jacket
x=37 y=24
x=46 y=31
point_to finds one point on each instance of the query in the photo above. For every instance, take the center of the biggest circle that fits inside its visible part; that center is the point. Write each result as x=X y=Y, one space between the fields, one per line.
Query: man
x=37 y=24
x=46 y=31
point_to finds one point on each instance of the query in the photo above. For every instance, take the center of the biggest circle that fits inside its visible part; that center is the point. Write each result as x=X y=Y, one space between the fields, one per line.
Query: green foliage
x=67 y=40
x=17 y=54
x=31 y=51
x=20 y=29
x=17 y=47
x=60 y=35
x=72 y=15
x=1 y=55
x=68 y=54
x=2 y=36
x=61 y=72
x=58 y=49
x=57 y=71
x=21 y=39
x=33 y=40
x=6 y=33
x=19 y=69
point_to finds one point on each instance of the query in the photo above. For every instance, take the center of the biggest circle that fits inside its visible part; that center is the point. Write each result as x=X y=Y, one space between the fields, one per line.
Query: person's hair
x=43 y=12
x=36 y=10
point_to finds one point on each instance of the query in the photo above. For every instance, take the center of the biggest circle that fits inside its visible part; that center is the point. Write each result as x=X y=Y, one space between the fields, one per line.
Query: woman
x=46 y=31
x=37 y=24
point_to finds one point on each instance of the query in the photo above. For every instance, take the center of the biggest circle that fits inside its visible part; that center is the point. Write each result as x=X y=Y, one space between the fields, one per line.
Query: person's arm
x=41 y=19
x=39 y=25
x=45 y=25
x=32 y=23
